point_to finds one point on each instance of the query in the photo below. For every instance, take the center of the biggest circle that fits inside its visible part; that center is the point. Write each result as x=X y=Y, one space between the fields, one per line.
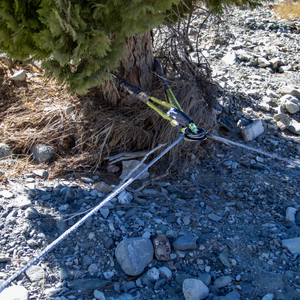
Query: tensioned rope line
x=176 y=117
x=218 y=138
x=120 y=189
x=80 y=222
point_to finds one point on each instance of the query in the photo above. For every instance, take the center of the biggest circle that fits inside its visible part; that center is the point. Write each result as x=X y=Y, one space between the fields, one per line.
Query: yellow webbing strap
x=162 y=103
x=159 y=111
x=169 y=95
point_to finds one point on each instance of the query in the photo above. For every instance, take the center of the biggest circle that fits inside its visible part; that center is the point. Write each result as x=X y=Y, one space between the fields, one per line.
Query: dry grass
x=34 y=112
x=288 y=9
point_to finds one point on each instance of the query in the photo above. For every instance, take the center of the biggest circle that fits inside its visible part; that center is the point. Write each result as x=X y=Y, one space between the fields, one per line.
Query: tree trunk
x=136 y=68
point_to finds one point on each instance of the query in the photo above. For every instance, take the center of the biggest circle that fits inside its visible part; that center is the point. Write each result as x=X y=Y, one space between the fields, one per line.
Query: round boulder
x=194 y=289
x=134 y=255
x=42 y=153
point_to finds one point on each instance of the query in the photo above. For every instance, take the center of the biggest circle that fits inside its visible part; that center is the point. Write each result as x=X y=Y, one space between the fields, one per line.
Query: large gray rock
x=263 y=106
x=232 y=296
x=229 y=58
x=291 y=107
x=31 y=213
x=194 y=289
x=284 y=119
x=275 y=62
x=292 y=244
x=99 y=295
x=294 y=128
x=15 y=292
x=6 y=194
x=223 y=257
x=243 y=55
x=205 y=278
x=288 y=97
x=252 y=131
x=102 y=187
x=165 y=272
x=129 y=165
x=36 y=273
x=69 y=195
x=289 y=89
x=41 y=173
x=290 y=103
x=134 y=255
x=285 y=69
x=290 y=214
x=281 y=125
x=5 y=151
x=222 y=281
x=185 y=242
x=272 y=94
x=22 y=202
x=42 y=153
x=18 y=76
x=262 y=62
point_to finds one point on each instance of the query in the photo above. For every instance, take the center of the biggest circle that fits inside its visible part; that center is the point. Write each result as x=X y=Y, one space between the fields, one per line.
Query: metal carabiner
x=201 y=134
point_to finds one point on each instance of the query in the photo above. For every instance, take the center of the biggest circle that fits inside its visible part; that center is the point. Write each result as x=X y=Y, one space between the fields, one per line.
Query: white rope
x=120 y=189
x=218 y=138
x=80 y=222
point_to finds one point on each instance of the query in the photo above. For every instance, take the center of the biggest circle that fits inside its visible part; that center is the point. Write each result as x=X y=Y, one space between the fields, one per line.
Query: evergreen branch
x=80 y=39
x=68 y=14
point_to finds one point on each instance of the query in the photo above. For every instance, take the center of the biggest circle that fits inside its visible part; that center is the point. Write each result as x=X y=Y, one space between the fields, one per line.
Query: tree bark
x=137 y=65
x=136 y=68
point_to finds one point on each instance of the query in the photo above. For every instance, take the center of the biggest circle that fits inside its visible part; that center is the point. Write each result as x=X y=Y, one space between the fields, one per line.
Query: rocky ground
x=226 y=227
